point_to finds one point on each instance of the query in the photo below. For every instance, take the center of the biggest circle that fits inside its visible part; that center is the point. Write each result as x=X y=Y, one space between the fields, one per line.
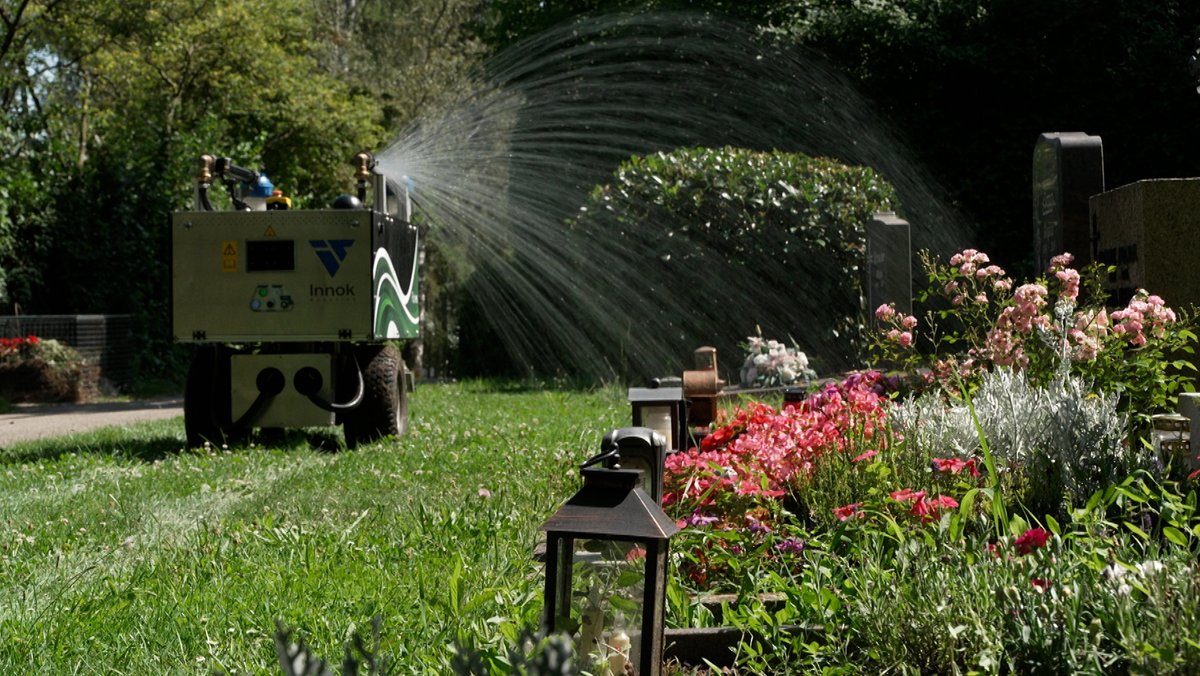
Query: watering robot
x=298 y=316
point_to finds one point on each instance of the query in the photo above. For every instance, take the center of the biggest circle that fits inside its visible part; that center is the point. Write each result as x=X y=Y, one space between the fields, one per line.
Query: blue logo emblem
x=332 y=252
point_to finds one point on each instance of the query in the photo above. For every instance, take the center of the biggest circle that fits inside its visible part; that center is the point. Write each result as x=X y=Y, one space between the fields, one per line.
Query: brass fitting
x=362 y=166
x=204 y=174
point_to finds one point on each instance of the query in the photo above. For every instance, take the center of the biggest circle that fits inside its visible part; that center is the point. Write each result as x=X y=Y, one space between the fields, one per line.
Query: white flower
x=1151 y=567
x=761 y=359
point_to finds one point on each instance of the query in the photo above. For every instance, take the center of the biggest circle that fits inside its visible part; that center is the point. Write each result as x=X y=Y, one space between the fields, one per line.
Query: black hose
x=205 y=205
x=270 y=383
x=309 y=387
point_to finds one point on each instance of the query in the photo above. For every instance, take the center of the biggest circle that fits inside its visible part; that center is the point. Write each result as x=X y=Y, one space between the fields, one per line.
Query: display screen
x=270 y=255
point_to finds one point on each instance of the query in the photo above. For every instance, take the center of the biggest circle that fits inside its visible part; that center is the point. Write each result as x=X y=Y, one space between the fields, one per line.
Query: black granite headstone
x=889 y=262
x=1068 y=168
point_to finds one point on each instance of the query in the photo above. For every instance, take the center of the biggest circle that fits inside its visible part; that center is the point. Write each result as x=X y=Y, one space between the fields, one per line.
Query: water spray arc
x=503 y=169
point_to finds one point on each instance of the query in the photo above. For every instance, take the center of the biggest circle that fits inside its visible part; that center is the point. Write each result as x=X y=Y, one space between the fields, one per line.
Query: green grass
x=121 y=552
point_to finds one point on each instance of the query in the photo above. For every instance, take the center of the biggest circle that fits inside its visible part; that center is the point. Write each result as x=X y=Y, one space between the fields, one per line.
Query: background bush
x=786 y=232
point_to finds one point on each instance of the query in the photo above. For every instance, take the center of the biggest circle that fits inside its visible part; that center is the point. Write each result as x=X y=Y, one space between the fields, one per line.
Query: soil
x=38 y=421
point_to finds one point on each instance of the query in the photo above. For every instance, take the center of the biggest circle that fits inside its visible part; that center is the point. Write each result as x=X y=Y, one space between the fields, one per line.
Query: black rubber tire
x=206 y=398
x=383 y=411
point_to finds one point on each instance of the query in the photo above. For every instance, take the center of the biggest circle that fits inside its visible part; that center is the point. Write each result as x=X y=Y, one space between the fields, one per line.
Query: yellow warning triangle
x=270 y=232
x=229 y=250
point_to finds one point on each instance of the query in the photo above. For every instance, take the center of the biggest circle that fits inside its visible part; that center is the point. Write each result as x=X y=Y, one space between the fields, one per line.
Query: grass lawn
x=121 y=552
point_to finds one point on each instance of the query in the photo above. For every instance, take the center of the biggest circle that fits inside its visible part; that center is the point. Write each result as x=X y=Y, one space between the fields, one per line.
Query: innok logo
x=332 y=252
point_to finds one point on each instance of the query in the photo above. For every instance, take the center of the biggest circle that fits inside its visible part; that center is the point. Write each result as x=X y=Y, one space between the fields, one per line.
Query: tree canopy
x=106 y=104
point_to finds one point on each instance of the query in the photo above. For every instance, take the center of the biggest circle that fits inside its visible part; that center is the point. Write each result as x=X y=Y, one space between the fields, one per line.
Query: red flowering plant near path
x=761 y=453
x=766 y=480
x=15 y=348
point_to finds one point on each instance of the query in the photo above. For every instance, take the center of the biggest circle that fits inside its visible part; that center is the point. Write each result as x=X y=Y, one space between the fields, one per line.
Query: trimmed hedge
x=773 y=239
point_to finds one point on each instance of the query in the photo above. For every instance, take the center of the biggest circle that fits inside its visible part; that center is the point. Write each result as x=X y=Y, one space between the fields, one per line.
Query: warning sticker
x=229 y=255
x=270 y=232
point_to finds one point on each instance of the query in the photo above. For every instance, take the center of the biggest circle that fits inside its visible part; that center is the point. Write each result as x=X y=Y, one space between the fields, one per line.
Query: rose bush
x=1047 y=327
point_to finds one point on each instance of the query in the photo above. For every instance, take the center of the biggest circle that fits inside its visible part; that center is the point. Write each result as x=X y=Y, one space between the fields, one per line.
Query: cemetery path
x=38 y=421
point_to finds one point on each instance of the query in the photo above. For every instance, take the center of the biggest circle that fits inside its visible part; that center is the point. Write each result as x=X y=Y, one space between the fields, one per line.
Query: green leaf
x=1136 y=531
x=1175 y=535
x=1052 y=524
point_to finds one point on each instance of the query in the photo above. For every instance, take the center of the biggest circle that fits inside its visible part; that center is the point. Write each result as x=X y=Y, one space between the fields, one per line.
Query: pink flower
x=1060 y=261
x=865 y=456
x=885 y=311
x=907 y=494
x=1034 y=538
x=1070 y=283
x=847 y=511
x=930 y=510
x=946 y=502
x=905 y=339
x=909 y=322
x=485 y=493
x=951 y=465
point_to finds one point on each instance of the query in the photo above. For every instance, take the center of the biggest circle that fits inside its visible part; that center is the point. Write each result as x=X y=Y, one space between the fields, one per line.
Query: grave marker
x=1068 y=168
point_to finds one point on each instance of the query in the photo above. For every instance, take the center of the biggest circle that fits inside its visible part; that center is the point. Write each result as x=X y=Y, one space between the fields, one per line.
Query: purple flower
x=790 y=546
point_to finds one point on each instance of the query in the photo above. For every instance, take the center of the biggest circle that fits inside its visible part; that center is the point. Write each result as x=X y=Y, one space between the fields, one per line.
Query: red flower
x=951 y=465
x=930 y=510
x=907 y=494
x=866 y=456
x=1039 y=584
x=847 y=511
x=1034 y=538
x=956 y=465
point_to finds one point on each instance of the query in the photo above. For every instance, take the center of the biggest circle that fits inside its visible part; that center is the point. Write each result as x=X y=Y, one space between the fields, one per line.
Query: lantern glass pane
x=658 y=418
x=609 y=581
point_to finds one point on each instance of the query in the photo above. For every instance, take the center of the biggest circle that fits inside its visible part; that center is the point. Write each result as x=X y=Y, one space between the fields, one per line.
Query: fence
x=104 y=340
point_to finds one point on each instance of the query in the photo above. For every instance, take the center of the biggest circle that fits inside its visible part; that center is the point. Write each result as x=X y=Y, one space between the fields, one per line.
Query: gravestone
x=1068 y=168
x=889 y=262
x=1150 y=232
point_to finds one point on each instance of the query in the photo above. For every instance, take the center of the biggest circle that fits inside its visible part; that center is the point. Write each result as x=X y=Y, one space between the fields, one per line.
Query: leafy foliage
x=109 y=104
x=796 y=223
x=977 y=318
x=35 y=369
x=971 y=83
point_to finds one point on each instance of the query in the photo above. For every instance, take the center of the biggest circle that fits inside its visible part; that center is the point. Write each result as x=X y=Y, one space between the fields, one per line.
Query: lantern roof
x=612 y=505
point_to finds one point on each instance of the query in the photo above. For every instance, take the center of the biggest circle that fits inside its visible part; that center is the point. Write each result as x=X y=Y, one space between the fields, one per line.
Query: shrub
x=33 y=369
x=1052 y=444
x=1046 y=328
x=736 y=237
x=763 y=454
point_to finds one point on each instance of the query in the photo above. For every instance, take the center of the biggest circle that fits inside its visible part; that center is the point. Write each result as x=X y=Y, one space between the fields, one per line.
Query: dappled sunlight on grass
x=168 y=557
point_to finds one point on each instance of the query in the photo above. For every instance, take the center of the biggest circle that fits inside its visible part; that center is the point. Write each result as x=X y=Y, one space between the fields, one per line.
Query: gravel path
x=38 y=421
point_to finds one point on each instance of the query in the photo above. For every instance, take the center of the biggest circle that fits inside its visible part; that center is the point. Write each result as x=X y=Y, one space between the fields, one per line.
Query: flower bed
x=1002 y=513
x=36 y=370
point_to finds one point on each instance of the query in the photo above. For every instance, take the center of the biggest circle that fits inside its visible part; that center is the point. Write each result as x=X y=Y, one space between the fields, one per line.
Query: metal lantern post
x=606 y=572
x=664 y=410
x=636 y=448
